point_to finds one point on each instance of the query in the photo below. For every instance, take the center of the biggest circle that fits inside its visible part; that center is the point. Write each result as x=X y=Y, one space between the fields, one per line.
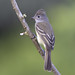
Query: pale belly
x=40 y=41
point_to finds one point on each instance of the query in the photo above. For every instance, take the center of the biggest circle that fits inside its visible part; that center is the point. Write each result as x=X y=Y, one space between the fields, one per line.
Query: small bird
x=45 y=36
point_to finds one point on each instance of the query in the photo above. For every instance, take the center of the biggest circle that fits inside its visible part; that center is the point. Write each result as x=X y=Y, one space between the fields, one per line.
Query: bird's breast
x=40 y=41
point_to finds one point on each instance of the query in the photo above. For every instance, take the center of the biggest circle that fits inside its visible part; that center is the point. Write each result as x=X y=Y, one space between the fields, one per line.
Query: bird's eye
x=38 y=16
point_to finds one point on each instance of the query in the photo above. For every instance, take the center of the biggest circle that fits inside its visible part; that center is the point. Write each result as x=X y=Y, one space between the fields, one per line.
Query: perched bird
x=45 y=36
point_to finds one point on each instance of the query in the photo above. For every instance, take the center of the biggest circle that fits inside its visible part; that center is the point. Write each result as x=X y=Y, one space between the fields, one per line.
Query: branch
x=30 y=34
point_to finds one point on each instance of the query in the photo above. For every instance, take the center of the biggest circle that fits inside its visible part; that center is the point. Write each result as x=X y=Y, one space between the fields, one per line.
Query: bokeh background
x=18 y=55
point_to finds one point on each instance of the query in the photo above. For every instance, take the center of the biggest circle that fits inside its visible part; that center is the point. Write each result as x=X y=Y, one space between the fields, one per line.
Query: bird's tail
x=47 y=64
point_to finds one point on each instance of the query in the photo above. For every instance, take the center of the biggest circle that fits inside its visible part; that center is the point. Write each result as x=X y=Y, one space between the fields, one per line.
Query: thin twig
x=30 y=34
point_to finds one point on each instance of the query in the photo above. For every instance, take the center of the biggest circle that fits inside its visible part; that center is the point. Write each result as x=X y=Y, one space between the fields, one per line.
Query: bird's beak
x=33 y=17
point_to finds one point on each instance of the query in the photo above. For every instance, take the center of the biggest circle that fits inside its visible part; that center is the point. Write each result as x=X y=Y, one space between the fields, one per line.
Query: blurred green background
x=18 y=55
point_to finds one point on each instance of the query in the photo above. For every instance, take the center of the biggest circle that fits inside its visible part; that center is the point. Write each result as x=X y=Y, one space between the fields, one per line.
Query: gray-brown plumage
x=45 y=35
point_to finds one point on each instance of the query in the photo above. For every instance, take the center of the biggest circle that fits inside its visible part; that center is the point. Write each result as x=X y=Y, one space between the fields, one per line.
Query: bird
x=45 y=36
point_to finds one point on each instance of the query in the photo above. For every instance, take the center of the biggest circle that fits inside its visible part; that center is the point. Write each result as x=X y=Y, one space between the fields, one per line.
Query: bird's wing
x=50 y=39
